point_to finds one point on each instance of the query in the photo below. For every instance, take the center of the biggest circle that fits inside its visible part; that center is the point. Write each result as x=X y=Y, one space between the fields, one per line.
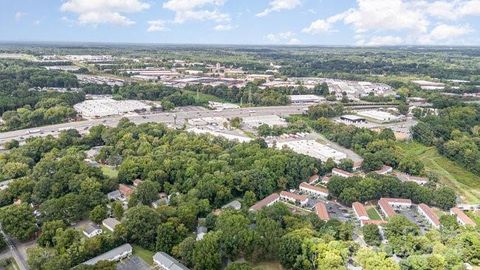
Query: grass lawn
x=465 y=183
x=373 y=214
x=267 y=266
x=109 y=171
x=144 y=254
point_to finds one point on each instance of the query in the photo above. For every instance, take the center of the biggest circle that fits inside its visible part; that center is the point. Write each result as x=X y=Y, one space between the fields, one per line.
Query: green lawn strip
x=373 y=214
x=205 y=97
x=109 y=171
x=473 y=216
x=144 y=254
x=451 y=174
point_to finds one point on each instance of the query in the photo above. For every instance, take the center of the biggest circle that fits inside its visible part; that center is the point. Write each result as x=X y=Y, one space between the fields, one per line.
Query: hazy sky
x=319 y=22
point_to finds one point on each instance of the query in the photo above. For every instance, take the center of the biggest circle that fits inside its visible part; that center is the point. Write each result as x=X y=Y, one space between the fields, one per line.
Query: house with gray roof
x=92 y=230
x=110 y=223
x=167 y=262
x=233 y=204
x=113 y=255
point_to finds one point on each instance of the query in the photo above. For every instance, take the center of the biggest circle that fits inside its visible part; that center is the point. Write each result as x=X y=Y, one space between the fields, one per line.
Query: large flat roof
x=110 y=255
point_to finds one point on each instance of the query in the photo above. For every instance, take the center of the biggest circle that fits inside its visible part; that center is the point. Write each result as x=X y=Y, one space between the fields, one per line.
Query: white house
x=313 y=190
x=110 y=223
x=92 y=230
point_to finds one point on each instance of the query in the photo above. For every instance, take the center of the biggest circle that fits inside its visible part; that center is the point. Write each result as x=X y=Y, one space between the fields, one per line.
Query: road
x=162 y=117
x=22 y=264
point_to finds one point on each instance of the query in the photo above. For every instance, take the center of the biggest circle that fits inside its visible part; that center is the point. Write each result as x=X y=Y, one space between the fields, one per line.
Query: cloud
x=393 y=22
x=383 y=40
x=157 y=26
x=223 y=27
x=283 y=38
x=278 y=5
x=19 y=15
x=190 y=10
x=104 y=11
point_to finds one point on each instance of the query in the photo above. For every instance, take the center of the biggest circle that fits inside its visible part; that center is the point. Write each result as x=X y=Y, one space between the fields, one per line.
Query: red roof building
x=294 y=198
x=387 y=205
x=313 y=190
x=313 y=179
x=429 y=215
x=125 y=190
x=267 y=201
x=360 y=211
x=341 y=173
x=321 y=211
x=462 y=218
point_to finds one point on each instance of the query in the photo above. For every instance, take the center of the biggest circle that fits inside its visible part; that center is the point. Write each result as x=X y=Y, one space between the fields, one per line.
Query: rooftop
x=462 y=216
x=308 y=186
x=321 y=211
x=359 y=209
x=429 y=213
x=293 y=196
x=168 y=261
x=110 y=255
x=266 y=201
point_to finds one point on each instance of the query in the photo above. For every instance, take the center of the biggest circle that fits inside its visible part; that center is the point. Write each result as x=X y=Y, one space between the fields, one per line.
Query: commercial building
x=113 y=255
x=107 y=106
x=313 y=149
x=388 y=205
x=350 y=118
x=293 y=198
x=321 y=211
x=110 y=223
x=429 y=215
x=429 y=85
x=380 y=116
x=267 y=201
x=92 y=230
x=462 y=218
x=341 y=173
x=306 y=99
x=313 y=190
x=270 y=120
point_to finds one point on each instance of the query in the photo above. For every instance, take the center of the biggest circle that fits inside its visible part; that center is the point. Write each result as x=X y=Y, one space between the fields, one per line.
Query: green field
x=109 y=171
x=465 y=183
x=267 y=266
x=205 y=97
x=144 y=254
x=373 y=214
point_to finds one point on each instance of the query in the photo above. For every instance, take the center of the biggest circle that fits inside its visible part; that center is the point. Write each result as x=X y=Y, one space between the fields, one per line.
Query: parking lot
x=133 y=263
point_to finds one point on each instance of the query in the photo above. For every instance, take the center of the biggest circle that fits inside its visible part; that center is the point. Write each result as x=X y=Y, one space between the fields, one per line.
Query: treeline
x=455 y=131
x=16 y=80
x=374 y=186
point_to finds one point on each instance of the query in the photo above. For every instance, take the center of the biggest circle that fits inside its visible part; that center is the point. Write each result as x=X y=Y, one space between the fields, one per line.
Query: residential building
x=360 y=211
x=167 y=262
x=267 y=201
x=113 y=255
x=313 y=179
x=462 y=218
x=388 y=205
x=429 y=215
x=137 y=182
x=114 y=195
x=236 y=205
x=313 y=190
x=294 y=198
x=411 y=178
x=92 y=230
x=385 y=170
x=125 y=190
x=321 y=211
x=110 y=223
x=341 y=173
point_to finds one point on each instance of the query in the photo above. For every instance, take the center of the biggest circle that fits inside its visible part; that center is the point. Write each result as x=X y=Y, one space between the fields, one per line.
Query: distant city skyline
x=244 y=22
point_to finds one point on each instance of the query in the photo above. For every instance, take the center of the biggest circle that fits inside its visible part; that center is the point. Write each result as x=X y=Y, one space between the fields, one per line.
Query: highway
x=22 y=264
x=161 y=117
x=181 y=114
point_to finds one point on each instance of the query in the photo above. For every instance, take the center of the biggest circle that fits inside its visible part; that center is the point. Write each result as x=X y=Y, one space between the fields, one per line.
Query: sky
x=272 y=22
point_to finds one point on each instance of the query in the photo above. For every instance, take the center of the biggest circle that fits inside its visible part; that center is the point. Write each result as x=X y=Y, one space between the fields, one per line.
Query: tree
x=117 y=210
x=371 y=234
x=146 y=193
x=444 y=197
x=98 y=214
x=239 y=266
x=411 y=166
x=185 y=250
x=141 y=223
x=386 y=134
x=235 y=235
x=249 y=199
x=207 y=252
x=49 y=229
x=170 y=234
x=19 y=221
x=371 y=260
x=346 y=165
